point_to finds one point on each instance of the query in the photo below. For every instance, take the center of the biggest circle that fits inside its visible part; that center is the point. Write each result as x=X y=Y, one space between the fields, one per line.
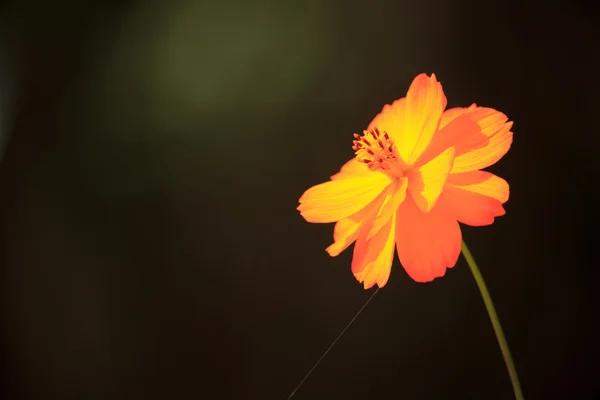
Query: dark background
x=152 y=158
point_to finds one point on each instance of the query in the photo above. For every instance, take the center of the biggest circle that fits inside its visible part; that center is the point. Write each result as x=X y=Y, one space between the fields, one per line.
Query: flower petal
x=474 y=198
x=395 y=197
x=353 y=169
x=470 y=208
x=425 y=103
x=412 y=121
x=452 y=113
x=372 y=259
x=426 y=183
x=391 y=118
x=427 y=243
x=494 y=125
x=482 y=182
x=461 y=132
x=331 y=201
x=346 y=230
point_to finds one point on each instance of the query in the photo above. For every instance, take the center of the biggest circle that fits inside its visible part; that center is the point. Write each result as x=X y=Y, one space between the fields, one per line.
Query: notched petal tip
x=370 y=285
x=372 y=259
x=434 y=274
x=424 y=77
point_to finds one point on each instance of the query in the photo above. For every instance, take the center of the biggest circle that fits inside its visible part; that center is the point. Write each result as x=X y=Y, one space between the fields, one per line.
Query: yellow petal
x=425 y=102
x=391 y=119
x=346 y=230
x=426 y=183
x=372 y=260
x=353 y=169
x=412 y=121
x=334 y=200
x=395 y=197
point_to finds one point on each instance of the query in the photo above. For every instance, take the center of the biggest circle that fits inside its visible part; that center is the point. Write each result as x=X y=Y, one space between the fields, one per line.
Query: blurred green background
x=152 y=158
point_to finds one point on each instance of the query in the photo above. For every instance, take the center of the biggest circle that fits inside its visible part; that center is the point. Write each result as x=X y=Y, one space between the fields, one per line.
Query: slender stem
x=489 y=305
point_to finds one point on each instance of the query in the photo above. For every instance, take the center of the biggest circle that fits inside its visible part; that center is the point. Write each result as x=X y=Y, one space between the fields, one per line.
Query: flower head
x=416 y=173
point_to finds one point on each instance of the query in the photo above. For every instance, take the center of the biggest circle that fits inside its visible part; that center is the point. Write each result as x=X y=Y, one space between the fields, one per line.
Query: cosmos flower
x=416 y=174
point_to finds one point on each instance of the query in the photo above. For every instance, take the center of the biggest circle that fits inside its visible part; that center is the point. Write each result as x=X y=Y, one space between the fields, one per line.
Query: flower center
x=376 y=149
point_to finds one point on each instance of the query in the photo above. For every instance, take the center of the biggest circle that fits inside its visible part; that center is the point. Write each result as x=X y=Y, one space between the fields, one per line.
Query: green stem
x=489 y=305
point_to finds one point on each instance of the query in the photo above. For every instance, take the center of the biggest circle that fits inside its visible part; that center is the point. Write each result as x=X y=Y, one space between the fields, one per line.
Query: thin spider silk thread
x=332 y=344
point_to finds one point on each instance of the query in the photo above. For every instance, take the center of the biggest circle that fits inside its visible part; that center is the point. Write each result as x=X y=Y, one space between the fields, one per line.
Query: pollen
x=374 y=148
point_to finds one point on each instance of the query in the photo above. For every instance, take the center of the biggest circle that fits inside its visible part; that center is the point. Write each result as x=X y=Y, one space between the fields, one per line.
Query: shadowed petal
x=452 y=113
x=395 y=197
x=426 y=183
x=470 y=208
x=482 y=182
x=493 y=125
x=427 y=243
x=461 y=132
x=334 y=200
x=346 y=230
x=372 y=259
x=475 y=198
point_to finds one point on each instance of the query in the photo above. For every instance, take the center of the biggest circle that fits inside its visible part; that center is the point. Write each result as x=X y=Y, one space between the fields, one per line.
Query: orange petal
x=482 y=182
x=474 y=198
x=412 y=121
x=470 y=208
x=452 y=113
x=346 y=230
x=353 y=169
x=494 y=125
x=331 y=201
x=372 y=259
x=427 y=243
x=461 y=132
x=426 y=183
x=395 y=197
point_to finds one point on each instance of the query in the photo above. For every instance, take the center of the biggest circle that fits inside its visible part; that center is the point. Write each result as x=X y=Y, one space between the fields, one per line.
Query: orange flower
x=416 y=174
